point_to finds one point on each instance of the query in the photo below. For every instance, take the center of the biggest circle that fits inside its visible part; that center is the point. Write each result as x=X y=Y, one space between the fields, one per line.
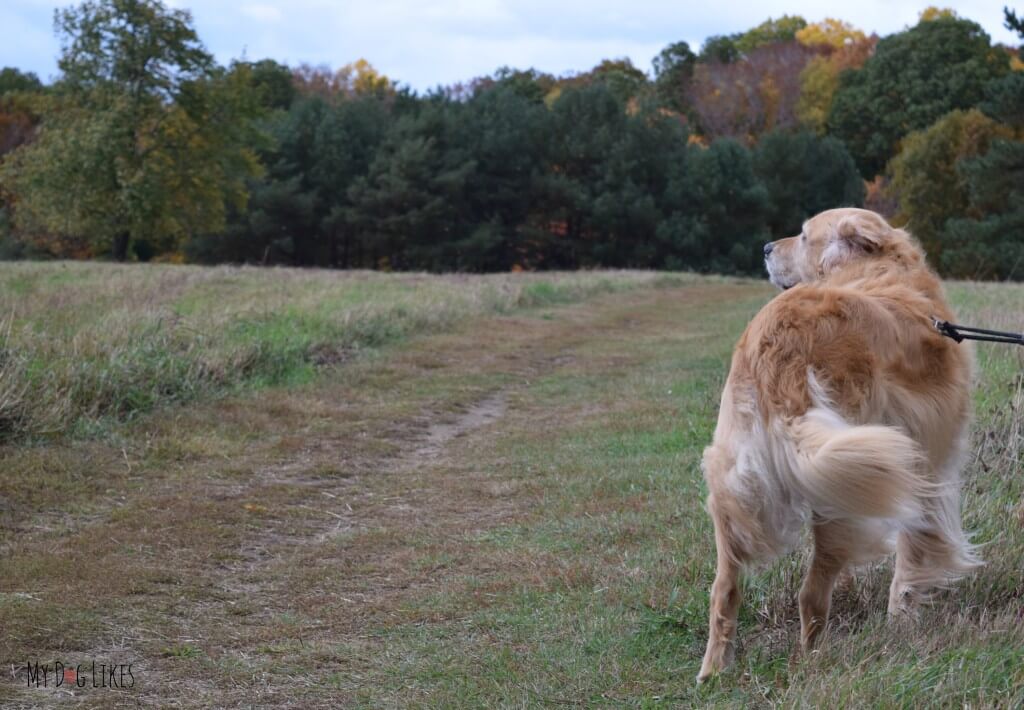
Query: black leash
x=959 y=333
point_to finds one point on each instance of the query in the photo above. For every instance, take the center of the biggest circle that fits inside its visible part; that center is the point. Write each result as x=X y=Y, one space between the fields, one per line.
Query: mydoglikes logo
x=82 y=675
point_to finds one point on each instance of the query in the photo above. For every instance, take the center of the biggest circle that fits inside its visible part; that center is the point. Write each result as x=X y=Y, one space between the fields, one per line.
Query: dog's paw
x=717 y=659
x=904 y=604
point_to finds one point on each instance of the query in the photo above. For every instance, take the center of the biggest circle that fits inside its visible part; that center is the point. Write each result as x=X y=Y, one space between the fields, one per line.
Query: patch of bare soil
x=432 y=445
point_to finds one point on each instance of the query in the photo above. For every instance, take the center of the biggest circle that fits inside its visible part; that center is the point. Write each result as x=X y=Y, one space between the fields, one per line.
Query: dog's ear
x=852 y=236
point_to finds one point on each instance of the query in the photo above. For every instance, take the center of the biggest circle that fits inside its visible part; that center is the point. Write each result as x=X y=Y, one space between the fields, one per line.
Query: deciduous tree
x=770 y=31
x=925 y=178
x=820 y=78
x=145 y=138
x=913 y=78
x=830 y=32
x=751 y=96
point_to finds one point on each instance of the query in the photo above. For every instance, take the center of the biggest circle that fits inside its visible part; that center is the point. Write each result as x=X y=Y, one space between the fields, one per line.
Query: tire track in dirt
x=336 y=514
x=481 y=413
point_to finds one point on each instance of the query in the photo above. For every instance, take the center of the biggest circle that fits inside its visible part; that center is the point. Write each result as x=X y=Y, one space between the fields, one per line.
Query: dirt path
x=479 y=414
x=258 y=541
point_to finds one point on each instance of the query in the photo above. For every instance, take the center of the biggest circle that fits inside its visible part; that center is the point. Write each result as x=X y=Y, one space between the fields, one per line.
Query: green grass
x=619 y=616
x=80 y=343
x=287 y=545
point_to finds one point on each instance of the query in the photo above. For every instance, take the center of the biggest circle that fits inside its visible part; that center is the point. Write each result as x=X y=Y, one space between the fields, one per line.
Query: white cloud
x=429 y=42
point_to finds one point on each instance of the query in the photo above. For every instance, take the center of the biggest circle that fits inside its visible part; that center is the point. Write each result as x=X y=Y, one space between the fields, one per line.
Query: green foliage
x=408 y=205
x=608 y=170
x=272 y=83
x=925 y=177
x=136 y=46
x=19 y=103
x=985 y=240
x=530 y=83
x=717 y=220
x=804 y=174
x=719 y=48
x=728 y=48
x=622 y=79
x=1004 y=99
x=988 y=244
x=506 y=135
x=144 y=141
x=13 y=80
x=914 y=78
x=770 y=31
x=145 y=148
x=673 y=70
x=1013 y=22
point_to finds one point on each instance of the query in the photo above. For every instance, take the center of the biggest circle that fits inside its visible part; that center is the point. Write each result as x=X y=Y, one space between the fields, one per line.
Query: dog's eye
x=803 y=237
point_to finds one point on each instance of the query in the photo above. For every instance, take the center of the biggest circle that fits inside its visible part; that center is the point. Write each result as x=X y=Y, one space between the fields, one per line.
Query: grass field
x=84 y=342
x=310 y=489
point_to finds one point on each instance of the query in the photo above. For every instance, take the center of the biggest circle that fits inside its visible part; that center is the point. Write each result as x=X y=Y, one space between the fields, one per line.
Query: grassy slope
x=505 y=514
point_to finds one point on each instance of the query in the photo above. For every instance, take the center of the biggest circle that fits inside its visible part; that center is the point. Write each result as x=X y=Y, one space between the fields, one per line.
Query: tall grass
x=83 y=342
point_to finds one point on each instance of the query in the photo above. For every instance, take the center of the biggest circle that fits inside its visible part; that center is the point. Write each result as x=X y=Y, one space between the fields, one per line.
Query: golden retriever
x=845 y=407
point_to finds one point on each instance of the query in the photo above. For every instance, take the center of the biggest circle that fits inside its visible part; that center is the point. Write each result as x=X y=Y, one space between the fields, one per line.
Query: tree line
x=144 y=148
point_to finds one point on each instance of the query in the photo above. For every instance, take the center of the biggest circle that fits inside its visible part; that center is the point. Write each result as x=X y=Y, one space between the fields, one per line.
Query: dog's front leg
x=725 y=605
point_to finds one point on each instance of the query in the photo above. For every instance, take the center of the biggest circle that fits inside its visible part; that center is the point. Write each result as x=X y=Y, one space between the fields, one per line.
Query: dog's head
x=831 y=240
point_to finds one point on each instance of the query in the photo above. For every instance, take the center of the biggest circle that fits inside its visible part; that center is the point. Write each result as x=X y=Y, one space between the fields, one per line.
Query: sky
x=427 y=43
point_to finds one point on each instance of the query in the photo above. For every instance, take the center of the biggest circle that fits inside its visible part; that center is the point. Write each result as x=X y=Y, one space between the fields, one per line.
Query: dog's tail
x=864 y=471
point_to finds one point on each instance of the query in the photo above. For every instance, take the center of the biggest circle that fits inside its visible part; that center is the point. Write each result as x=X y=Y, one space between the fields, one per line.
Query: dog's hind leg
x=925 y=559
x=832 y=552
x=932 y=553
x=915 y=572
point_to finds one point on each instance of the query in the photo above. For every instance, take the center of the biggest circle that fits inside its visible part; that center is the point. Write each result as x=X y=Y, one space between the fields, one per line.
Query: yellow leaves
x=931 y=13
x=820 y=78
x=360 y=78
x=830 y=32
x=255 y=508
x=818 y=83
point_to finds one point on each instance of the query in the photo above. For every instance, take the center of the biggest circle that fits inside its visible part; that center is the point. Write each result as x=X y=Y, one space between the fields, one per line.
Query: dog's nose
x=768 y=248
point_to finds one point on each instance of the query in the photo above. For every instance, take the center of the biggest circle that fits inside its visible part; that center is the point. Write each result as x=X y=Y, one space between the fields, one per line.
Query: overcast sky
x=431 y=42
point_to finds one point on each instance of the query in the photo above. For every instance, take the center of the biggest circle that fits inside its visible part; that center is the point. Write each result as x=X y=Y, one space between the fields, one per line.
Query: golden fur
x=843 y=407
